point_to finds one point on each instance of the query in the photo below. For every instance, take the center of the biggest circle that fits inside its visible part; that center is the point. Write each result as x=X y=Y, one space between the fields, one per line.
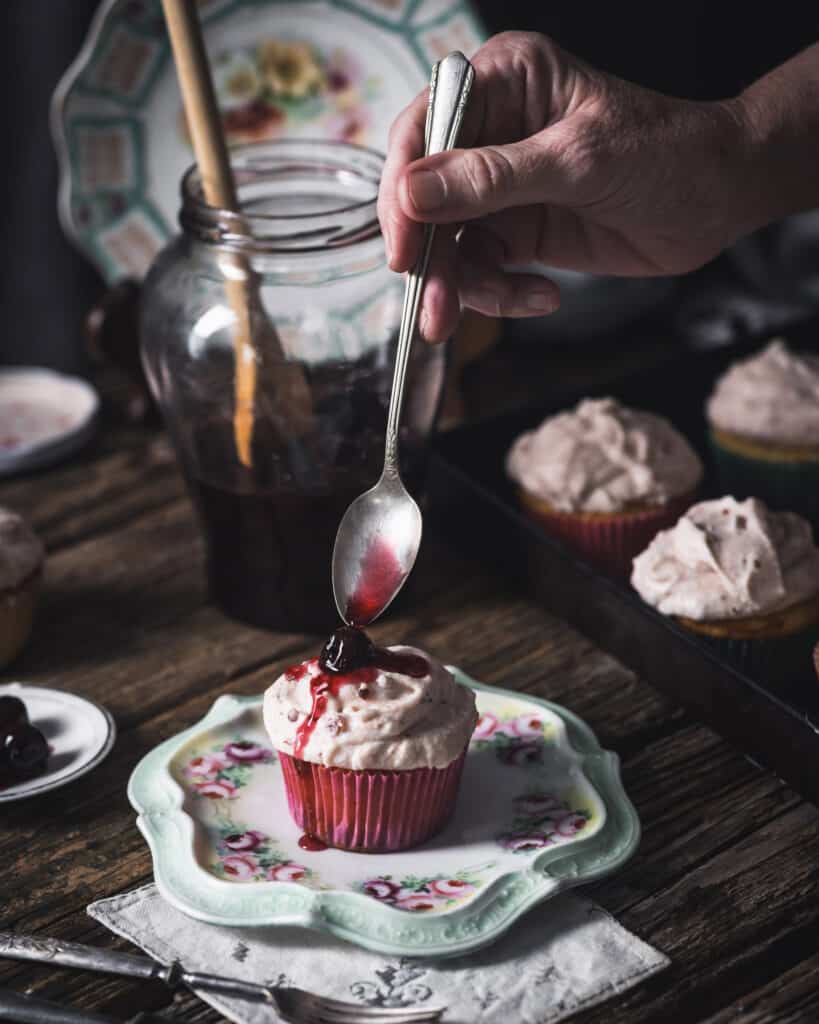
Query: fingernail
x=540 y=300
x=427 y=190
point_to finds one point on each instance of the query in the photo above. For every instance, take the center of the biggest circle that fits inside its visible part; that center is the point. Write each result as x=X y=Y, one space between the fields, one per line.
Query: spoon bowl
x=375 y=549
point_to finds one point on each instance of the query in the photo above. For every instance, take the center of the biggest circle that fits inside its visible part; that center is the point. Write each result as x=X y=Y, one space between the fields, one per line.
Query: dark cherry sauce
x=400 y=661
x=349 y=650
x=312 y=843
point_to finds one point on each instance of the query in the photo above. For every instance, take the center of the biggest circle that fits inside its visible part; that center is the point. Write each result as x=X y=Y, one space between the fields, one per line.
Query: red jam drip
x=380 y=577
x=322 y=685
x=312 y=843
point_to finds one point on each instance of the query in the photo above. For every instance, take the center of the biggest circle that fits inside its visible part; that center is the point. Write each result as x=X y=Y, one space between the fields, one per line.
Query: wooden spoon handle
x=205 y=127
x=199 y=99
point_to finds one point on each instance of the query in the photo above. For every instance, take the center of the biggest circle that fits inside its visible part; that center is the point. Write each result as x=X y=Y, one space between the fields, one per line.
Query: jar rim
x=354 y=170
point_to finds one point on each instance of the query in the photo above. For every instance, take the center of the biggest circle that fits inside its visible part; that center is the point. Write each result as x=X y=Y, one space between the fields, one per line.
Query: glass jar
x=324 y=311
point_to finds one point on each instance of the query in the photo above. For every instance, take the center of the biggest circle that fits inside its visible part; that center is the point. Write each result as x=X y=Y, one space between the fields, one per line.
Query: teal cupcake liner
x=776 y=660
x=792 y=486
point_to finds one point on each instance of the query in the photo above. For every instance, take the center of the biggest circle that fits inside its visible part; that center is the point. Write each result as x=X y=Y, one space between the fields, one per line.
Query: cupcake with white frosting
x=371 y=742
x=764 y=427
x=745 y=577
x=21 y=563
x=604 y=478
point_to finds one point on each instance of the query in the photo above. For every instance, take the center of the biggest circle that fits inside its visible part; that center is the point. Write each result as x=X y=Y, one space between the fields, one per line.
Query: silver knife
x=14 y=946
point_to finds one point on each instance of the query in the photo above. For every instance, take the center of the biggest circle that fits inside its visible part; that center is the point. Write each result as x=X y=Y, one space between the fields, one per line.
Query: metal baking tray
x=473 y=503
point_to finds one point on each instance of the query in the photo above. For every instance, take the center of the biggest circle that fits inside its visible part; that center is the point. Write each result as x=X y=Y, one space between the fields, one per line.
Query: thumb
x=466 y=183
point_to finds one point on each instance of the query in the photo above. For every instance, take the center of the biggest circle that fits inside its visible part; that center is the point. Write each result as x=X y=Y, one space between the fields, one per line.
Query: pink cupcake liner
x=370 y=811
x=612 y=542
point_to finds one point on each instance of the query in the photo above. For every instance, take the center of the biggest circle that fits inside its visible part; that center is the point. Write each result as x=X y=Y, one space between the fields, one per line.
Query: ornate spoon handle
x=449 y=88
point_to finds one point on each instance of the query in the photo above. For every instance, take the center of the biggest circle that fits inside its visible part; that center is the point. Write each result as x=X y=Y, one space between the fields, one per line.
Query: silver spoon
x=380 y=534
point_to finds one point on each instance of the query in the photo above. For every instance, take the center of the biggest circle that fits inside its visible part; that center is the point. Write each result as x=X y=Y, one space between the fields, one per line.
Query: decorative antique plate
x=79 y=732
x=541 y=809
x=332 y=69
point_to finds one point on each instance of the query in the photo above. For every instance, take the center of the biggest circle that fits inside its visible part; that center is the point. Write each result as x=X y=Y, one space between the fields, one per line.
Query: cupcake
x=371 y=745
x=21 y=563
x=764 y=429
x=604 y=479
x=741 y=576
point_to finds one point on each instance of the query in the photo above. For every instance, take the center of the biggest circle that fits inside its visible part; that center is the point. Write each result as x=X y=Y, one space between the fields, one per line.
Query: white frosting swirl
x=602 y=457
x=773 y=396
x=21 y=551
x=387 y=722
x=728 y=559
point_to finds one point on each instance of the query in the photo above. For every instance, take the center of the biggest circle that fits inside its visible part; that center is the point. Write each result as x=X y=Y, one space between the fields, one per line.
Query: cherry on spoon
x=379 y=537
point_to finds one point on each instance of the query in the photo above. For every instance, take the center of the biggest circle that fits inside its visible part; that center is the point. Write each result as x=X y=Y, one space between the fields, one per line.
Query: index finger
x=406 y=143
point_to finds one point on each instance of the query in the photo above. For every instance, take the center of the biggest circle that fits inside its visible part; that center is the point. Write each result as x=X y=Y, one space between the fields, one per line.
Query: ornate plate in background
x=541 y=809
x=337 y=69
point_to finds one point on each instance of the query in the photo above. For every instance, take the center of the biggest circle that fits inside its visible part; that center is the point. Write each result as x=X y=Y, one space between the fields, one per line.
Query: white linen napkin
x=562 y=956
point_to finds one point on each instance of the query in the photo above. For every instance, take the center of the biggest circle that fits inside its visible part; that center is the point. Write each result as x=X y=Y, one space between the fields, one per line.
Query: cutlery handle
x=73 y=954
x=90 y=958
x=29 y=1010
x=449 y=88
x=250 y=990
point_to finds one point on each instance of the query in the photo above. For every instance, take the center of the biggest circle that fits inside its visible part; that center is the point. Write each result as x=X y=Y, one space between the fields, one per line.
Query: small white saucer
x=44 y=416
x=79 y=732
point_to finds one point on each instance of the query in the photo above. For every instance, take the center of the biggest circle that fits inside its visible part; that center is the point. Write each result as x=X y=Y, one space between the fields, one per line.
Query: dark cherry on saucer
x=24 y=752
x=12 y=713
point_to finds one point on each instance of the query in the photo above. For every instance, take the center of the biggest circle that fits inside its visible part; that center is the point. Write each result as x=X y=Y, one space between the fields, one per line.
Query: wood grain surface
x=725 y=881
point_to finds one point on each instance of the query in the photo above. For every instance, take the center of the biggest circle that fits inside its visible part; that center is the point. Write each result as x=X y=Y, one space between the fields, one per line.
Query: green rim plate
x=470 y=884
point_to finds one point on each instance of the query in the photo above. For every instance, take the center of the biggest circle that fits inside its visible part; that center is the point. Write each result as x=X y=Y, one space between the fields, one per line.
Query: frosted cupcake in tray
x=371 y=742
x=604 y=478
x=764 y=429
x=742 y=576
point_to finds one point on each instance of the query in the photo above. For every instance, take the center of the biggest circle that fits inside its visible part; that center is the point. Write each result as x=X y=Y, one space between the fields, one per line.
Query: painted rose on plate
x=541 y=819
x=517 y=740
x=252 y=856
x=285 y=86
x=220 y=772
x=419 y=894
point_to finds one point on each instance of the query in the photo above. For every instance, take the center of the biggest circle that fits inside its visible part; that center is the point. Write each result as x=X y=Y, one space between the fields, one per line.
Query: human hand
x=565 y=166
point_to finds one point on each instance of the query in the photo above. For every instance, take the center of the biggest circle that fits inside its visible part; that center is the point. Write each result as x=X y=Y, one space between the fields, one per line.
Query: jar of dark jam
x=309 y=250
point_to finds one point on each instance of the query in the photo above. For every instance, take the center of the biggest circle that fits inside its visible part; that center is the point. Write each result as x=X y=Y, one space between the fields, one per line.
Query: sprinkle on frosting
x=773 y=396
x=729 y=559
x=21 y=551
x=603 y=457
x=370 y=718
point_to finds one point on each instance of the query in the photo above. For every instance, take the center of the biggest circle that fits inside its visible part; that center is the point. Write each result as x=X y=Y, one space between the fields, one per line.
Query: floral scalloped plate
x=330 y=69
x=541 y=808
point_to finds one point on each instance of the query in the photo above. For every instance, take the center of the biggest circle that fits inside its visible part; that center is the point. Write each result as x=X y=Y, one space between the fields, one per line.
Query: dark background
x=699 y=50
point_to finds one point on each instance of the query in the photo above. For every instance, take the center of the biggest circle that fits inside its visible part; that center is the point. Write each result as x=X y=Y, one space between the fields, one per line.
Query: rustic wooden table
x=726 y=881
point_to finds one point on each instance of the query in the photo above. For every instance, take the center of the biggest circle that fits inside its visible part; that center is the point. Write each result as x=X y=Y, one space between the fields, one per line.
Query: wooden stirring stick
x=205 y=127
